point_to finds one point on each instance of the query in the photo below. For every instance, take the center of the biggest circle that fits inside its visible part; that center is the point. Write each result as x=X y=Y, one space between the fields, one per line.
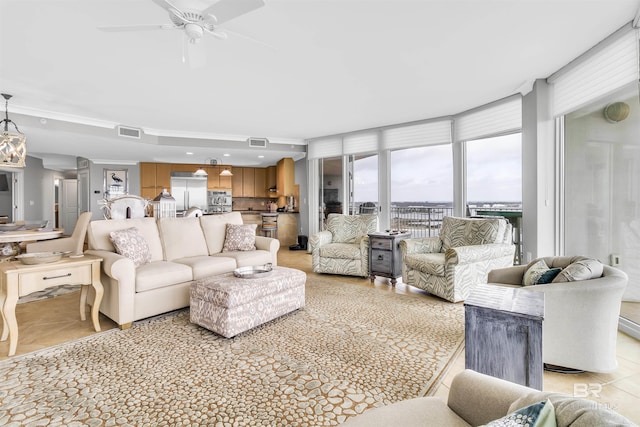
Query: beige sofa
x=181 y=250
x=476 y=399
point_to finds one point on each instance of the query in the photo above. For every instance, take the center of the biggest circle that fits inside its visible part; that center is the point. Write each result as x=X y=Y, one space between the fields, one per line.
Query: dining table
x=10 y=240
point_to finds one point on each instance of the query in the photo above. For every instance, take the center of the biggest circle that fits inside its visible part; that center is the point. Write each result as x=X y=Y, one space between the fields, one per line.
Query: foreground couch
x=460 y=257
x=581 y=310
x=180 y=250
x=476 y=399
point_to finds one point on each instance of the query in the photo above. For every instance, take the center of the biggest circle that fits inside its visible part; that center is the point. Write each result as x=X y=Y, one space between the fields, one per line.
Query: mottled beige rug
x=352 y=348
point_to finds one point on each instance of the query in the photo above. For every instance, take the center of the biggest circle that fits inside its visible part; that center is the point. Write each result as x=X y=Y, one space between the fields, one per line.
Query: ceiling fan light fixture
x=194 y=32
x=13 y=146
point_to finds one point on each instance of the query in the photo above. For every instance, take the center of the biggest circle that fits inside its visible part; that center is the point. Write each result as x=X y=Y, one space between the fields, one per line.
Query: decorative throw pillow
x=534 y=272
x=240 y=237
x=539 y=414
x=547 y=276
x=131 y=244
x=584 y=269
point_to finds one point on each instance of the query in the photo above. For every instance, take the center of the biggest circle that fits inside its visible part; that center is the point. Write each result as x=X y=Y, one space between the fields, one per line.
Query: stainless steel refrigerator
x=189 y=190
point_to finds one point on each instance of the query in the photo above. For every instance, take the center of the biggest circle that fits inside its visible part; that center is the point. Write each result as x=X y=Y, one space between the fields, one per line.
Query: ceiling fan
x=196 y=18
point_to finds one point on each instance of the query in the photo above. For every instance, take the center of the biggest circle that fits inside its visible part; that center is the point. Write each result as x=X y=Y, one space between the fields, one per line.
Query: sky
x=494 y=171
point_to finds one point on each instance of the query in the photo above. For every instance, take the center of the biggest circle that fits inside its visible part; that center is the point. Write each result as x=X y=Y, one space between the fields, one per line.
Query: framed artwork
x=116 y=183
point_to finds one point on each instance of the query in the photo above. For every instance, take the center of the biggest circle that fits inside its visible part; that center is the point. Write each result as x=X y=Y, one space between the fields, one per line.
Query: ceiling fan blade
x=246 y=37
x=124 y=28
x=225 y=10
x=167 y=5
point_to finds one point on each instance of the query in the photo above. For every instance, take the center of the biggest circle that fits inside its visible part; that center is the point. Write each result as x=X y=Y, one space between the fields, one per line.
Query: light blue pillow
x=541 y=414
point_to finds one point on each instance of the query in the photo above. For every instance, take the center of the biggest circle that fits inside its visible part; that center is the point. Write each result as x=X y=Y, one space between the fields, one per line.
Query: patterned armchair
x=343 y=248
x=451 y=264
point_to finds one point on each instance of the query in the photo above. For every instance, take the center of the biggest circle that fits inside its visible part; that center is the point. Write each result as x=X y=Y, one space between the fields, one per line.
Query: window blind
x=604 y=69
x=417 y=135
x=360 y=143
x=492 y=119
x=324 y=147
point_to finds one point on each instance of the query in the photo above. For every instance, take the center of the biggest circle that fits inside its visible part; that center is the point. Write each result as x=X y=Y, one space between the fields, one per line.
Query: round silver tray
x=253 y=272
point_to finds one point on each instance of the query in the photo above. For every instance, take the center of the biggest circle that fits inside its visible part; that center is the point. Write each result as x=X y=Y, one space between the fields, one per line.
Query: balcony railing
x=421 y=221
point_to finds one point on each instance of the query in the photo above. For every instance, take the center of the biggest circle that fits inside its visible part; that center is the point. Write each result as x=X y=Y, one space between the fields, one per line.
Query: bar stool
x=269 y=225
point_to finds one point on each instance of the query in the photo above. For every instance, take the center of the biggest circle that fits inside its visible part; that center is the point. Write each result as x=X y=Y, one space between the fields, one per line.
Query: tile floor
x=49 y=322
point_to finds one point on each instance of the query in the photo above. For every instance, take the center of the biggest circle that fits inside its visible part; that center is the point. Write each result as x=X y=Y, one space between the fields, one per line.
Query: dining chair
x=73 y=243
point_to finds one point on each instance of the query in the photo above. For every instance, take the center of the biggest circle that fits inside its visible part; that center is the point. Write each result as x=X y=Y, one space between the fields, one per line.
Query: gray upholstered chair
x=580 y=327
x=450 y=265
x=343 y=248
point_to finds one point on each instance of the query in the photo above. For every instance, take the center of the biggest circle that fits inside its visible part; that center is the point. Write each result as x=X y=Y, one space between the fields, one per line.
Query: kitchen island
x=287 y=225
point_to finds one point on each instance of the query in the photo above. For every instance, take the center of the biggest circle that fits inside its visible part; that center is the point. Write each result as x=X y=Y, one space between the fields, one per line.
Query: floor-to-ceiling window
x=421 y=188
x=494 y=180
x=602 y=187
x=363 y=171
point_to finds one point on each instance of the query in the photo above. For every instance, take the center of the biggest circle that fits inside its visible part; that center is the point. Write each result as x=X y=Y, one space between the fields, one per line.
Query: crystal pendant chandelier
x=13 y=147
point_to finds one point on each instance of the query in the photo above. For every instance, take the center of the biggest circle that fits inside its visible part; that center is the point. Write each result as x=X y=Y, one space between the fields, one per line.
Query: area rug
x=352 y=347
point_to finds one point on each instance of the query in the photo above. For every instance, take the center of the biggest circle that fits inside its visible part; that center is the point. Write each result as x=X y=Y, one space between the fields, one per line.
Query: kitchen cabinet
x=147 y=175
x=285 y=176
x=213 y=177
x=226 y=181
x=248 y=182
x=184 y=167
x=260 y=182
x=163 y=176
x=271 y=181
x=236 y=182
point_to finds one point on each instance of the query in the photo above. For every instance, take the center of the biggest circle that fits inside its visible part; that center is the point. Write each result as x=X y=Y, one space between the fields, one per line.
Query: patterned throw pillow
x=131 y=244
x=541 y=414
x=584 y=269
x=240 y=237
x=539 y=274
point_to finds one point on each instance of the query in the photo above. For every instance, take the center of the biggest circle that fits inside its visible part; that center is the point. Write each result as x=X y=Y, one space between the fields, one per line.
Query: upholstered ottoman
x=229 y=305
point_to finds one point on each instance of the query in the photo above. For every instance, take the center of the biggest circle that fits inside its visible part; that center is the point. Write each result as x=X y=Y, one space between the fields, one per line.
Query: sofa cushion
x=584 y=269
x=204 y=266
x=240 y=237
x=160 y=274
x=539 y=414
x=215 y=227
x=248 y=258
x=131 y=244
x=351 y=228
x=457 y=232
x=426 y=263
x=182 y=237
x=99 y=239
x=341 y=251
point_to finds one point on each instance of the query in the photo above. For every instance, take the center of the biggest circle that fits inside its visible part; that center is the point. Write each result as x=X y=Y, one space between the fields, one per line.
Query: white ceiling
x=321 y=67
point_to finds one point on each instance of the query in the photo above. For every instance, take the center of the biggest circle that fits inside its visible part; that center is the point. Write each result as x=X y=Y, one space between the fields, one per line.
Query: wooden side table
x=385 y=258
x=503 y=333
x=17 y=280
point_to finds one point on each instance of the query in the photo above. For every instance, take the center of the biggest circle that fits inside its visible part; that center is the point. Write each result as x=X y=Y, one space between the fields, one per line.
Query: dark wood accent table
x=503 y=333
x=385 y=258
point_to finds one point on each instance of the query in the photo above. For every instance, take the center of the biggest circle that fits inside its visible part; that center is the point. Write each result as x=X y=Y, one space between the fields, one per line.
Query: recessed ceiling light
x=261 y=156
x=226 y=154
x=189 y=153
